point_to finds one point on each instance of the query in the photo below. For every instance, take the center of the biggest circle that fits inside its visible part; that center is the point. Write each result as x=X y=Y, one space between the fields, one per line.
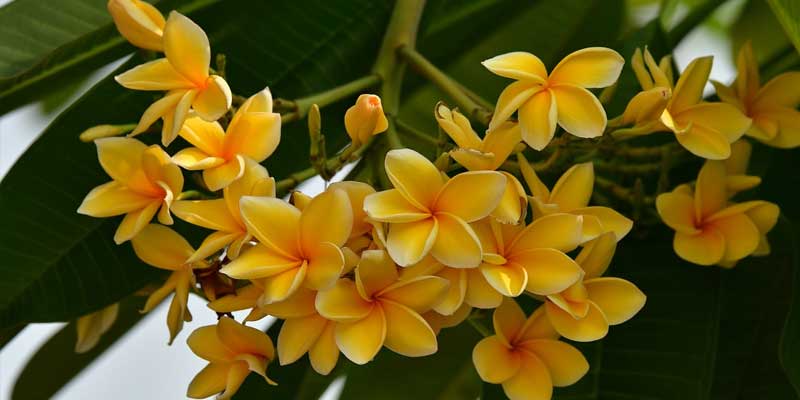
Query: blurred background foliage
x=705 y=333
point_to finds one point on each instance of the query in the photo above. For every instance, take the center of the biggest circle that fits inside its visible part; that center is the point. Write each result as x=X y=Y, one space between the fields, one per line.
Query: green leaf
x=56 y=363
x=46 y=43
x=57 y=264
x=788 y=13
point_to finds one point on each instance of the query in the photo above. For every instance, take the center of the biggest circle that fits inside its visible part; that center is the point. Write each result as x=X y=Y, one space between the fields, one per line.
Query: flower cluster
x=363 y=266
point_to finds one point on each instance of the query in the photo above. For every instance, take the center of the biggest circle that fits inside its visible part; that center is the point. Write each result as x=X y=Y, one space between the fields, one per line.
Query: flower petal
x=274 y=222
x=592 y=67
x=549 y=270
x=511 y=99
x=259 y=262
x=532 y=381
x=414 y=176
x=558 y=231
x=579 y=112
x=471 y=195
x=689 y=88
x=677 y=211
x=209 y=381
x=211 y=214
x=214 y=100
x=456 y=244
x=518 y=65
x=327 y=218
x=159 y=109
x=342 y=302
x=186 y=47
x=508 y=321
x=619 y=299
x=219 y=177
x=205 y=343
x=407 y=333
x=587 y=329
x=509 y=280
x=361 y=340
x=206 y=136
x=409 y=242
x=242 y=339
x=781 y=90
x=537 y=119
x=710 y=195
x=134 y=222
x=721 y=117
x=280 y=286
x=297 y=336
x=419 y=294
x=704 y=248
x=457 y=126
x=494 y=361
x=255 y=134
x=112 y=198
x=610 y=219
x=324 y=353
x=357 y=192
x=153 y=75
x=194 y=159
x=565 y=363
x=480 y=293
x=375 y=272
x=596 y=255
x=574 y=188
x=162 y=247
x=392 y=206
x=740 y=233
x=453 y=298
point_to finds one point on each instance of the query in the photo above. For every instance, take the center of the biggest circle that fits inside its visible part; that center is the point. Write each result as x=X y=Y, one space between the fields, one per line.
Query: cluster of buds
x=357 y=268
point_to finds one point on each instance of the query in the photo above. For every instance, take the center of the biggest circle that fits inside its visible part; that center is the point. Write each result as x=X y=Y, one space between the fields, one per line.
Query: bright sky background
x=141 y=365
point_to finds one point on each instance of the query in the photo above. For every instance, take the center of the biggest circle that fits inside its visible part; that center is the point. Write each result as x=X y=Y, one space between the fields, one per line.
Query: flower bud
x=91 y=327
x=139 y=22
x=365 y=119
x=102 y=131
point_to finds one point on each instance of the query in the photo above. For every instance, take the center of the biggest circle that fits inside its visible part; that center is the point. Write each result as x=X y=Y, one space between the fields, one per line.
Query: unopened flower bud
x=365 y=119
x=139 y=22
x=102 y=131
x=91 y=327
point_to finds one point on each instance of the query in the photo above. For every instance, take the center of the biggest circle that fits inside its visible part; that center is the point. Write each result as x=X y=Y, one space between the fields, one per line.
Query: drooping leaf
x=788 y=13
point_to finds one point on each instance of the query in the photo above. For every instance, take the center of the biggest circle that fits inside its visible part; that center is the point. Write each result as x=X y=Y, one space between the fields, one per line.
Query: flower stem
x=414 y=132
x=322 y=99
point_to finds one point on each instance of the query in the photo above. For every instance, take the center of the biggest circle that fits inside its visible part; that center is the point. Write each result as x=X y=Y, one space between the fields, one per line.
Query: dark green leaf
x=788 y=13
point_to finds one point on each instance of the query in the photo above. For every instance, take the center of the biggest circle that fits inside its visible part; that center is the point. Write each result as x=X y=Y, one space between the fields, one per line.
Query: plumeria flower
x=428 y=214
x=138 y=22
x=144 y=181
x=486 y=154
x=223 y=215
x=365 y=119
x=736 y=168
x=254 y=133
x=232 y=351
x=583 y=311
x=525 y=355
x=184 y=75
x=438 y=321
x=164 y=248
x=772 y=107
x=571 y=194
x=707 y=229
x=91 y=327
x=379 y=309
x=558 y=98
x=646 y=107
x=296 y=248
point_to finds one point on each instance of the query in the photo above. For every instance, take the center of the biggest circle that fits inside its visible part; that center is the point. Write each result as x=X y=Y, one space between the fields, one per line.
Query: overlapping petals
x=365 y=119
x=138 y=22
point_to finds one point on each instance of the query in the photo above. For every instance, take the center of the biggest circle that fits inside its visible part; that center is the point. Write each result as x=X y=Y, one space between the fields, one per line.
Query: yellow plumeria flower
x=525 y=355
x=303 y=331
x=736 y=168
x=571 y=194
x=365 y=119
x=138 y=22
x=438 y=321
x=164 y=248
x=184 y=75
x=583 y=311
x=379 y=309
x=296 y=248
x=558 y=98
x=772 y=107
x=707 y=229
x=486 y=154
x=645 y=109
x=91 y=327
x=144 y=181
x=232 y=351
x=223 y=215
x=427 y=214
x=254 y=133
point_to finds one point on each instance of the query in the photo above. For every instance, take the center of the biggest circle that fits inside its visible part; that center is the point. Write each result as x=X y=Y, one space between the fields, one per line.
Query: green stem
x=421 y=65
x=414 y=132
x=322 y=99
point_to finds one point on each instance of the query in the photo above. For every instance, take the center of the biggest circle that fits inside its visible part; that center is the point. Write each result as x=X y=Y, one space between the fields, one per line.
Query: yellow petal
x=138 y=22
x=689 y=88
x=536 y=186
x=205 y=343
x=209 y=381
x=121 y=158
x=704 y=248
x=494 y=361
x=558 y=231
x=357 y=192
x=342 y=302
x=299 y=304
x=274 y=222
x=194 y=159
x=112 y=198
x=414 y=176
x=392 y=206
x=255 y=135
x=324 y=353
x=375 y=272
x=710 y=195
x=361 y=340
x=419 y=294
x=457 y=126
x=764 y=215
x=579 y=112
x=509 y=280
x=327 y=218
x=677 y=211
x=453 y=298
x=214 y=100
x=91 y=327
x=511 y=99
x=480 y=293
x=587 y=329
x=324 y=266
x=244 y=339
x=174 y=121
x=508 y=320
x=159 y=109
x=592 y=67
x=501 y=142
x=532 y=381
x=153 y=75
x=788 y=123
x=727 y=94
x=460 y=197
x=565 y=363
x=517 y=65
x=211 y=214
x=740 y=233
x=513 y=203
x=619 y=299
x=297 y=336
x=574 y=188
x=407 y=333
x=537 y=119
x=721 y=117
x=365 y=118
x=549 y=271
x=611 y=220
x=456 y=245
x=134 y=222
x=781 y=90
x=236 y=376
x=186 y=47
x=244 y=298
x=596 y=255
x=537 y=326
x=217 y=178
x=646 y=106
x=259 y=262
x=408 y=243
x=162 y=247
x=206 y=136
x=282 y=285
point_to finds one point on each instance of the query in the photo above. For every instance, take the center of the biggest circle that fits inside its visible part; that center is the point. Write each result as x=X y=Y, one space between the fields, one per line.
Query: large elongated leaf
x=788 y=13
x=57 y=264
